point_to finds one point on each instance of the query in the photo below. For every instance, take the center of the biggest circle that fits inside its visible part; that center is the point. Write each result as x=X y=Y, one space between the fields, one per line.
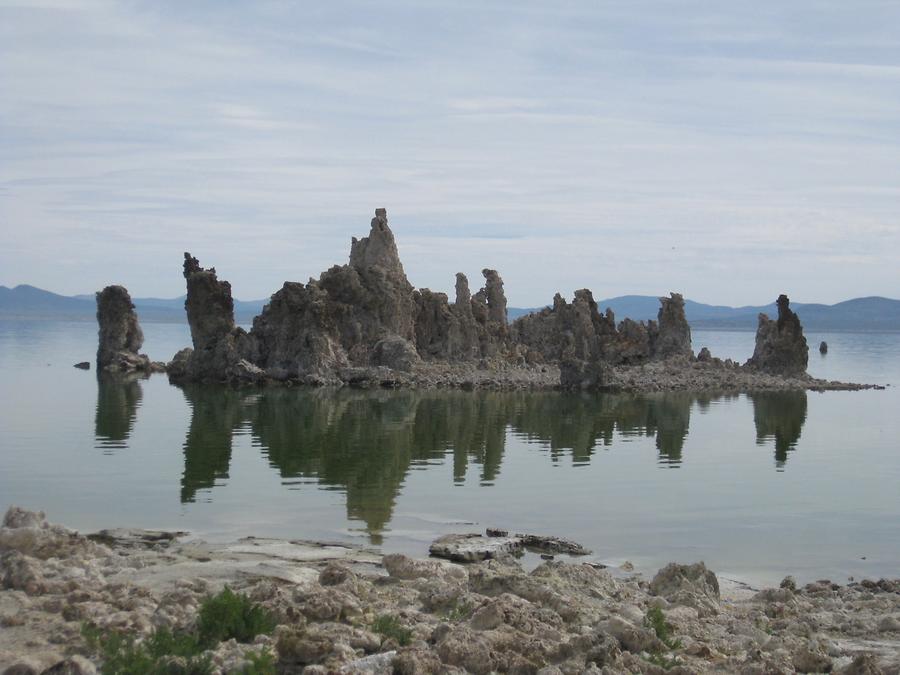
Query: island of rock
x=780 y=345
x=120 y=334
x=364 y=324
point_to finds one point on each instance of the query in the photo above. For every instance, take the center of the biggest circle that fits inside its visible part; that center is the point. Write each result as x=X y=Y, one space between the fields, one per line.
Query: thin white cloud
x=567 y=146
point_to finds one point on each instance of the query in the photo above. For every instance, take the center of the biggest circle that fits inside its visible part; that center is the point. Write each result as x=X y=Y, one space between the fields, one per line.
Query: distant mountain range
x=25 y=301
x=868 y=314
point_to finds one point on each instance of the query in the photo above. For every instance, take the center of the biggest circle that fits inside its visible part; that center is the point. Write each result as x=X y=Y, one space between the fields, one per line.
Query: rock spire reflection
x=365 y=443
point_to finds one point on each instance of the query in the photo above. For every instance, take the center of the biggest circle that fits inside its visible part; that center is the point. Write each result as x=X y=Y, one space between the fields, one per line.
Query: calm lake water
x=758 y=486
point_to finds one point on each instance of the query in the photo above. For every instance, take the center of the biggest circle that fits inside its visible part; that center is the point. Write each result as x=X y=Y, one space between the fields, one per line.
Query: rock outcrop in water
x=364 y=324
x=354 y=318
x=674 y=338
x=221 y=350
x=587 y=343
x=577 y=331
x=120 y=335
x=781 y=348
x=355 y=315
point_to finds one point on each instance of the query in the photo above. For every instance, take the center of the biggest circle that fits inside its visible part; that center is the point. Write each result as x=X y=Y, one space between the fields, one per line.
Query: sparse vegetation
x=458 y=611
x=164 y=652
x=389 y=626
x=656 y=620
x=261 y=663
x=232 y=615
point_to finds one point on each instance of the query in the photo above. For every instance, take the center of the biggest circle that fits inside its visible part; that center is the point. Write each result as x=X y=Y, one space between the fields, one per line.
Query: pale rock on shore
x=492 y=616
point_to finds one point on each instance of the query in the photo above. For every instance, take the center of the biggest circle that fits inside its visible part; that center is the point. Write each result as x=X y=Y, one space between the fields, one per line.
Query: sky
x=728 y=151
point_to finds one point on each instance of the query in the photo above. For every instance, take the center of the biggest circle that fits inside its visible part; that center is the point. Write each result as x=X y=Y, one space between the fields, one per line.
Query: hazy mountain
x=29 y=302
x=872 y=313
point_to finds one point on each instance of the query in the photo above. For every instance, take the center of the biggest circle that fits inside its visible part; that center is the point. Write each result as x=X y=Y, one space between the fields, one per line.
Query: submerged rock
x=781 y=348
x=552 y=544
x=823 y=347
x=120 y=335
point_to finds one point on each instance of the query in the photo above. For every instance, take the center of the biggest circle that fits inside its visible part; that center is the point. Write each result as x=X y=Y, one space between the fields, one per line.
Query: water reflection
x=215 y=414
x=118 y=398
x=364 y=443
x=779 y=415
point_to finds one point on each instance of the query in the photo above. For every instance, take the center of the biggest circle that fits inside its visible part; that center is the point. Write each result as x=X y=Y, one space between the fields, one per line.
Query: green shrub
x=390 y=627
x=162 y=653
x=656 y=620
x=232 y=615
x=261 y=663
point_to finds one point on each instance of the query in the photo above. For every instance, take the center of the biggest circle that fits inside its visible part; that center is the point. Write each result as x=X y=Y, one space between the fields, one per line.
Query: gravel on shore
x=674 y=374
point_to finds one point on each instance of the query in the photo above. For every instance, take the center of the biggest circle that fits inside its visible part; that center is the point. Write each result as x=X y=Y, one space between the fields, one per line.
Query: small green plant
x=261 y=663
x=656 y=620
x=390 y=627
x=232 y=615
x=164 y=652
x=161 y=653
x=458 y=611
x=765 y=626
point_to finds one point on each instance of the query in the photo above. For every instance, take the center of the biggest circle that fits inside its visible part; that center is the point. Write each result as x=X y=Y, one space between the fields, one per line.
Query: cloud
x=567 y=146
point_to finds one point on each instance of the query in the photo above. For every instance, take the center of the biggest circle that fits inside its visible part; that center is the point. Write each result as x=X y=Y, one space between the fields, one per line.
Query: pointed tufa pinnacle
x=378 y=249
x=463 y=294
x=191 y=265
x=494 y=296
x=781 y=347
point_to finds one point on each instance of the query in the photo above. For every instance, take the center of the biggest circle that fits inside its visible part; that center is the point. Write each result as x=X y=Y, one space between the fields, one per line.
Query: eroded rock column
x=221 y=351
x=674 y=337
x=781 y=347
x=120 y=335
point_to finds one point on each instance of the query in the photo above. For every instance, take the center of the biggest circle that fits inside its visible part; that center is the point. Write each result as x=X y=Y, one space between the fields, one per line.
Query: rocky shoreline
x=348 y=610
x=674 y=374
x=364 y=324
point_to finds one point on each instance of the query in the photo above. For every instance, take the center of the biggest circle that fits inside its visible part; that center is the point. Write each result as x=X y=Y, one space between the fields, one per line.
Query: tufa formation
x=120 y=335
x=781 y=348
x=361 y=315
x=220 y=348
x=364 y=323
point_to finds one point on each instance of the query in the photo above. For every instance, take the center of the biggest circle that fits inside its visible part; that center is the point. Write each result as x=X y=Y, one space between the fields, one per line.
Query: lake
x=758 y=486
